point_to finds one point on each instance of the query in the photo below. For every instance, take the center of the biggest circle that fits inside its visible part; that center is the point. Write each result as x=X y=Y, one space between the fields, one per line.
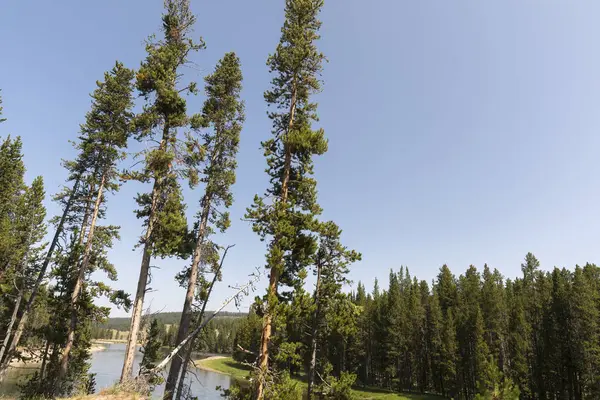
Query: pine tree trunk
x=187 y=359
x=136 y=317
x=44 y=357
x=199 y=318
x=186 y=313
x=138 y=305
x=86 y=215
x=274 y=273
x=11 y=324
x=202 y=323
x=22 y=317
x=315 y=333
x=64 y=362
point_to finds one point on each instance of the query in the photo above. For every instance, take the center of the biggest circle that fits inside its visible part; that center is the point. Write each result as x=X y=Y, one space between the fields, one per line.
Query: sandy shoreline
x=97 y=346
x=33 y=362
x=108 y=341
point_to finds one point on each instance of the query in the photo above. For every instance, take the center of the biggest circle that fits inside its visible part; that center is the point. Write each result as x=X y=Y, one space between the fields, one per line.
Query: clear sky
x=460 y=132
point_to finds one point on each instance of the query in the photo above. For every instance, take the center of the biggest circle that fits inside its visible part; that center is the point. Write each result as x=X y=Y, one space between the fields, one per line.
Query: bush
x=338 y=388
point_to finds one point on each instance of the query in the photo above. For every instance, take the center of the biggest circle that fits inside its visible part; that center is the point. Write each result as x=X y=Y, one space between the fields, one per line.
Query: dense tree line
x=477 y=335
x=217 y=338
x=164 y=318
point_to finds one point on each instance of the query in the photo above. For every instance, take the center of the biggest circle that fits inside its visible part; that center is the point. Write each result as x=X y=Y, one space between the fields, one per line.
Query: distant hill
x=166 y=318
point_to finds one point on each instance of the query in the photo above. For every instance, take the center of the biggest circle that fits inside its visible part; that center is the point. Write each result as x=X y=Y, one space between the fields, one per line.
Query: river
x=107 y=363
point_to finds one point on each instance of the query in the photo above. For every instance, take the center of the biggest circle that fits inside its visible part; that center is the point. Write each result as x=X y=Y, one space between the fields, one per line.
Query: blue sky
x=460 y=132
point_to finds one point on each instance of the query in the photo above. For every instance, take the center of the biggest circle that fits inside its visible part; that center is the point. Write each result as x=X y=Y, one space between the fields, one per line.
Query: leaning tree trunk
x=86 y=216
x=11 y=324
x=315 y=333
x=265 y=337
x=202 y=325
x=138 y=305
x=186 y=313
x=64 y=362
x=22 y=317
x=184 y=368
x=188 y=355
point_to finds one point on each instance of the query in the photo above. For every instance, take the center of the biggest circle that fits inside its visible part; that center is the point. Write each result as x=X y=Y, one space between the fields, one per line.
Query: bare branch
x=242 y=290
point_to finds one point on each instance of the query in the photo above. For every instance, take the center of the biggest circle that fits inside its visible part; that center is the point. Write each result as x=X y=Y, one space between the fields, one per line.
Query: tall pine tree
x=223 y=115
x=162 y=209
x=105 y=131
x=286 y=214
x=332 y=262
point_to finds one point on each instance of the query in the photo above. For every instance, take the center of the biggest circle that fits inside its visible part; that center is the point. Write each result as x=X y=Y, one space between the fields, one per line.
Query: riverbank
x=109 y=341
x=228 y=366
x=32 y=359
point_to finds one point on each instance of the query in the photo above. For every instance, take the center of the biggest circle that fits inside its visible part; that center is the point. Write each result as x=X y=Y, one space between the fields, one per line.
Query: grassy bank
x=228 y=366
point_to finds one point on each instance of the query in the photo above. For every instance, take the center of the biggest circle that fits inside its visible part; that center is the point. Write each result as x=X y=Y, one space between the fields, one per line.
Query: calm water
x=106 y=364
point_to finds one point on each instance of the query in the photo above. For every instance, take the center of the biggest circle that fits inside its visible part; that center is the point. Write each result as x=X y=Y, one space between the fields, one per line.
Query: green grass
x=381 y=394
x=225 y=366
x=239 y=371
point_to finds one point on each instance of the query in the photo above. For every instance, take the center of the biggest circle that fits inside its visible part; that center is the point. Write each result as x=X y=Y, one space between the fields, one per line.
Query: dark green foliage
x=247 y=339
x=22 y=230
x=164 y=318
x=12 y=186
x=169 y=159
x=285 y=214
x=223 y=112
x=497 y=387
x=532 y=338
x=290 y=218
x=151 y=351
x=83 y=245
x=162 y=115
x=151 y=348
x=222 y=118
x=472 y=337
x=278 y=387
x=337 y=388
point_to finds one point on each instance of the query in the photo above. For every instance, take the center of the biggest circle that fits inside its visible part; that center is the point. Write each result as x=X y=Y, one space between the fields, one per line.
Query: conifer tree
x=519 y=344
x=22 y=228
x=67 y=200
x=223 y=114
x=162 y=209
x=105 y=132
x=71 y=322
x=446 y=288
x=493 y=307
x=498 y=387
x=433 y=338
x=586 y=317
x=247 y=337
x=416 y=359
x=286 y=214
x=28 y=231
x=151 y=352
x=332 y=262
x=536 y=300
x=12 y=170
x=473 y=351
x=394 y=328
